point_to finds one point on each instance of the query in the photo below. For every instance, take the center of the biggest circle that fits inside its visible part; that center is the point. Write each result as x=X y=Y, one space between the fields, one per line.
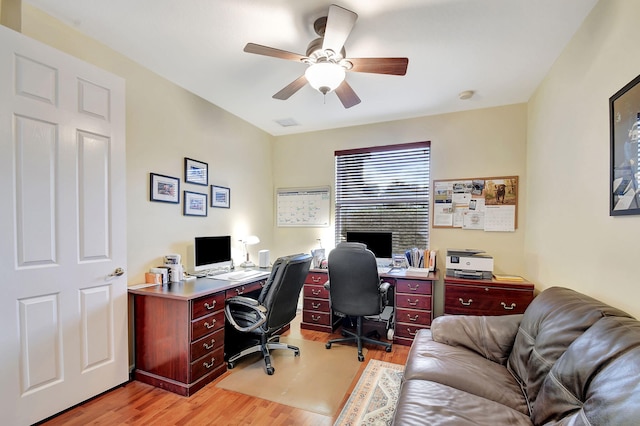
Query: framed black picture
x=624 y=116
x=195 y=204
x=220 y=196
x=165 y=189
x=196 y=172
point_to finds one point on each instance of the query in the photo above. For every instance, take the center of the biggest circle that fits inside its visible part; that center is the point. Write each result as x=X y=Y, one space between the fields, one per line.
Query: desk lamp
x=248 y=241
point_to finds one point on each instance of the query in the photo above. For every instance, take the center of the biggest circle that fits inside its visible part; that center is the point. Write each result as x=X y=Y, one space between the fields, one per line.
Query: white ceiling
x=501 y=49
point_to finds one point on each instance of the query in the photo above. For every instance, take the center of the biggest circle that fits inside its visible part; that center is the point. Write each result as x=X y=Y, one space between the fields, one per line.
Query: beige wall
x=478 y=143
x=571 y=240
x=165 y=124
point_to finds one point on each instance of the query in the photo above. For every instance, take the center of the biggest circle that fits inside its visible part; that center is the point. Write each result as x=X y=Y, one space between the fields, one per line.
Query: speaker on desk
x=263 y=258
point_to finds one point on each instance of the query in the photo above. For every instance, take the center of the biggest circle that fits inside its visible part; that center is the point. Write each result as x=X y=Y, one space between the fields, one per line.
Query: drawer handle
x=415 y=303
x=210 y=326
x=315 y=318
x=413 y=319
x=207 y=366
x=316 y=292
x=209 y=346
x=413 y=288
x=465 y=303
x=240 y=290
x=315 y=305
x=410 y=332
x=508 y=308
x=210 y=307
x=316 y=279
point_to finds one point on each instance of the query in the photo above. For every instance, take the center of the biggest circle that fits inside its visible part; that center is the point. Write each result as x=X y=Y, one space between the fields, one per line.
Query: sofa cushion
x=490 y=336
x=464 y=370
x=596 y=381
x=553 y=320
x=427 y=403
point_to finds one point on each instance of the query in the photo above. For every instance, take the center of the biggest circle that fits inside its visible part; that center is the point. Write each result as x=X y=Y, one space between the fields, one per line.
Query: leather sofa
x=569 y=359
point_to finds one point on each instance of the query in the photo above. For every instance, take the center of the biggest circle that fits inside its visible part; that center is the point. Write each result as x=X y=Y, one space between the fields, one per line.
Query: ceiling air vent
x=287 y=122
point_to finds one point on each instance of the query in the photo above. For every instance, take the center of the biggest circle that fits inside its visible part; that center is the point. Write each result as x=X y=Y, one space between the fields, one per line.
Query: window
x=384 y=189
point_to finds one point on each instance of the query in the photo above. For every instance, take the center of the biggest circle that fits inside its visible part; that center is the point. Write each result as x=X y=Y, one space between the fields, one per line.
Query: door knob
x=118 y=272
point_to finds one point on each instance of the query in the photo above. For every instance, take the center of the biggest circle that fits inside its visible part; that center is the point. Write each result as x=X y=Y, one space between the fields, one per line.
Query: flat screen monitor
x=380 y=243
x=211 y=252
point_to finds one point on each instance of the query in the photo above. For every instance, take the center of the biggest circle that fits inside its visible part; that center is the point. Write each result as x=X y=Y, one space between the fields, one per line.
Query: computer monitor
x=211 y=253
x=380 y=243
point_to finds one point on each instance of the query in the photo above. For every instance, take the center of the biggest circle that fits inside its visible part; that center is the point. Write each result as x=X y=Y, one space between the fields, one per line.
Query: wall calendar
x=303 y=206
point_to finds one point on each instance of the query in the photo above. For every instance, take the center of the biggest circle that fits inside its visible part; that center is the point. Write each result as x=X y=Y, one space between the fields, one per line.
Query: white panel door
x=63 y=309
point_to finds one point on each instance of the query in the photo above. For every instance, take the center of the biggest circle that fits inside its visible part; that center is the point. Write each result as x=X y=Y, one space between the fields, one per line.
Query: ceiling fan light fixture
x=325 y=76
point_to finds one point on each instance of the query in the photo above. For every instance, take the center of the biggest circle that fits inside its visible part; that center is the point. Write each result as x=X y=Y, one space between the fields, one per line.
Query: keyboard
x=240 y=275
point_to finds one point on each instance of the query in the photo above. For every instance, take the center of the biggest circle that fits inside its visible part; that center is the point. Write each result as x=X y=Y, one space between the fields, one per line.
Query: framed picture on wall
x=220 y=196
x=196 y=172
x=165 y=189
x=195 y=204
x=624 y=116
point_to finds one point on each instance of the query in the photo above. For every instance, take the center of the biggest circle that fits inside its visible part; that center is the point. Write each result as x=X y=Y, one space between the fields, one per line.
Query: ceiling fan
x=327 y=59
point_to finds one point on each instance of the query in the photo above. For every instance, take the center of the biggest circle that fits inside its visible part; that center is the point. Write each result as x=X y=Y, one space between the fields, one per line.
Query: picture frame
x=164 y=189
x=196 y=172
x=220 y=197
x=624 y=126
x=195 y=204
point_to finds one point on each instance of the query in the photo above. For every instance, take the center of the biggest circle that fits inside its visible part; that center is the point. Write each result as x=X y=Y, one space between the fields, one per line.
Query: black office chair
x=355 y=289
x=274 y=309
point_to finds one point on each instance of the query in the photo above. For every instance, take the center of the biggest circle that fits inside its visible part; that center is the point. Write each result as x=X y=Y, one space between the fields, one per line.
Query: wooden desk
x=413 y=303
x=486 y=297
x=180 y=331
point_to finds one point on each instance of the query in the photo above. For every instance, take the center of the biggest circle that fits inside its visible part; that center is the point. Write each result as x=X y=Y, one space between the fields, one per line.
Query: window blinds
x=384 y=189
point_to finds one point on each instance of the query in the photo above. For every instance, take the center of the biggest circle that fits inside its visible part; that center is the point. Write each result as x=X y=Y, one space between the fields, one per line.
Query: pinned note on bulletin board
x=303 y=206
x=487 y=204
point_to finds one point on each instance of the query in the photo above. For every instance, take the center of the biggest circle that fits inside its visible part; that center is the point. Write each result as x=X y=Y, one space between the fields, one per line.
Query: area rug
x=316 y=381
x=373 y=400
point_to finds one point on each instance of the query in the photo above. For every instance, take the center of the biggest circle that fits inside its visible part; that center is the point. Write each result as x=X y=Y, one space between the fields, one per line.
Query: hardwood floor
x=136 y=403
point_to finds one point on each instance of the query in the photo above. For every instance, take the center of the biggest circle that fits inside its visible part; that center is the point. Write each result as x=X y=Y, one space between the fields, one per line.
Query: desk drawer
x=321 y=305
x=207 y=304
x=413 y=317
x=205 y=325
x=408 y=331
x=483 y=300
x=413 y=301
x=413 y=286
x=207 y=363
x=316 y=278
x=246 y=288
x=320 y=318
x=315 y=291
x=207 y=344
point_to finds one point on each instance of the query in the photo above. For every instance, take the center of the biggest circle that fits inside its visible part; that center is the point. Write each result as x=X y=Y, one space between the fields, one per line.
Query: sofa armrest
x=490 y=336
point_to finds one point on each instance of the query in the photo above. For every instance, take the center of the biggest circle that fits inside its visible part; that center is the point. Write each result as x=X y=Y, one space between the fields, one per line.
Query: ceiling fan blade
x=340 y=22
x=273 y=52
x=291 y=88
x=346 y=95
x=393 y=66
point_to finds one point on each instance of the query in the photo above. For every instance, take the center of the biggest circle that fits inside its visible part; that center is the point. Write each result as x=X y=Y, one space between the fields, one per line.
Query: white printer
x=469 y=263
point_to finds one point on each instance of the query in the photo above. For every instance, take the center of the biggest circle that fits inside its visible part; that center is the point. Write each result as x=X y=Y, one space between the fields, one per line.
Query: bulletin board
x=487 y=204
x=303 y=206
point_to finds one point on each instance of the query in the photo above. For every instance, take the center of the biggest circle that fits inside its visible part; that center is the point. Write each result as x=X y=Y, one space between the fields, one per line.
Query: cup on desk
x=176 y=273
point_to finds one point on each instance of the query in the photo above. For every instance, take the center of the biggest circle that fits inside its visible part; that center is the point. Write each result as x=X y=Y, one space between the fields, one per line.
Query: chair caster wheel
x=230 y=365
x=328 y=346
x=296 y=353
x=388 y=349
x=270 y=371
x=360 y=357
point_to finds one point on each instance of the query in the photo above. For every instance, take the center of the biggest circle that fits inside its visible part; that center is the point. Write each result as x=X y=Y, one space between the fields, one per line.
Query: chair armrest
x=490 y=336
x=245 y=301
x=384 y=287
x=327 y=286
x=251 y=305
